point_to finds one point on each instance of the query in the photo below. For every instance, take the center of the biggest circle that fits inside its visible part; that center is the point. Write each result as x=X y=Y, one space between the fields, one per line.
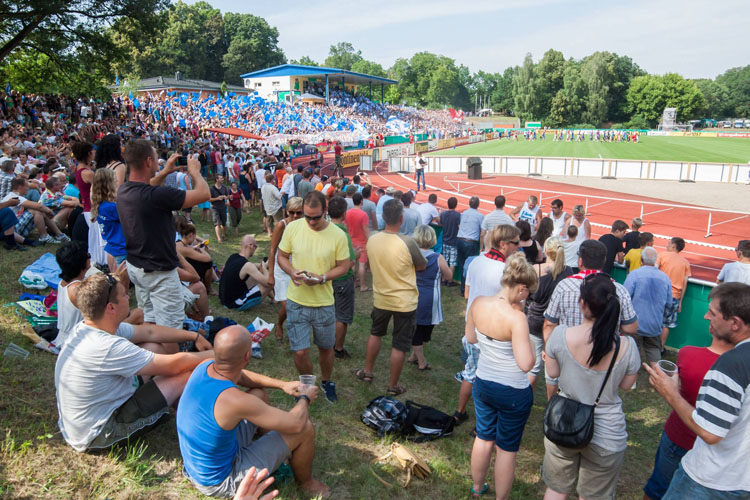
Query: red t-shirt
x=356 y=221
x=692 y=365
x=337 y=150
x=235 y=199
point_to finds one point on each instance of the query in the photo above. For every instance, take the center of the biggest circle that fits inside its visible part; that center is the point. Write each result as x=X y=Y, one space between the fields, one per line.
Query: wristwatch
x=324 y=279
x=305 y=397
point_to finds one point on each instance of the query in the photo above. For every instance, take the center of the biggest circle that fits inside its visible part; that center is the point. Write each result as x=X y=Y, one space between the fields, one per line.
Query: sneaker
x=47 y=239
x=330 y=389
x=62 y=238
x=15 y=246
x=34 y=243
x=255 y=352
x=342 y=354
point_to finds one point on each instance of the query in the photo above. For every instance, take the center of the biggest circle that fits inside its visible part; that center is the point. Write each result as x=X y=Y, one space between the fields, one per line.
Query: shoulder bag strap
x=609 y=370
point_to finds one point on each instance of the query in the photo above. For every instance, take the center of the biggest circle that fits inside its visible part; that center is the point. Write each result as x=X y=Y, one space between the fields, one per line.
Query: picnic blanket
x=46 y=266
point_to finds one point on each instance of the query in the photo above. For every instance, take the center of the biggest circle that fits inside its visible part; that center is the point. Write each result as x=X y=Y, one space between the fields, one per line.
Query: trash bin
x=474 y=167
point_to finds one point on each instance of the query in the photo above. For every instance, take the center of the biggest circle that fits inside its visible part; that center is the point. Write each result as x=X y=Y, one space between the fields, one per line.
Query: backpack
x=385 y=415
x=428 y=422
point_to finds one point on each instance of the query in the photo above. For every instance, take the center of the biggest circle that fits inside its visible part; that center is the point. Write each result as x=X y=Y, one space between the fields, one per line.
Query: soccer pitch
x=688 y=149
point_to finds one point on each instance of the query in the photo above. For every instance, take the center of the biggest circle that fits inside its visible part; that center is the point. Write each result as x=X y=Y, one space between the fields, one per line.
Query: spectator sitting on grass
x=102 y=397
x=216 y=423
x=243 y=284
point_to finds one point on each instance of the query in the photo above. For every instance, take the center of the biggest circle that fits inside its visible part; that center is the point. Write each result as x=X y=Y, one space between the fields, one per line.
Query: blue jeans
x=683 y=487
x=420 y=173
x=667 y=460
x=465 y=250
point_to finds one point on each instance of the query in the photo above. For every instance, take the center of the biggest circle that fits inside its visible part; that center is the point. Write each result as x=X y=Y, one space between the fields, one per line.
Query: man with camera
x=145 y=209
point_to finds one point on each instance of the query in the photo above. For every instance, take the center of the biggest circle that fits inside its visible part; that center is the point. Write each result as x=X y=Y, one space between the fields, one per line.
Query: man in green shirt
x=343 y=287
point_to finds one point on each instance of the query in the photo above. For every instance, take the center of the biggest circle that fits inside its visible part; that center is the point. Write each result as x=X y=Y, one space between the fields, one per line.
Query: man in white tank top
x=529 y=212
x=581 y=222
x=559 y=218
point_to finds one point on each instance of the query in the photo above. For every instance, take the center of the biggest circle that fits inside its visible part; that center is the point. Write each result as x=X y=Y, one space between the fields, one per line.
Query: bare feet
x=313 y=487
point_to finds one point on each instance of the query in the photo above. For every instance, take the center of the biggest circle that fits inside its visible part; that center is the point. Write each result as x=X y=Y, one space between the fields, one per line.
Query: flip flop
x=424 y=368
x=396 y=390
x=481 y=492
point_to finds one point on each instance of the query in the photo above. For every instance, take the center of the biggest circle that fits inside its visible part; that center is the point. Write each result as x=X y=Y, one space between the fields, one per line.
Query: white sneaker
x=48 y=239
x=63 y=238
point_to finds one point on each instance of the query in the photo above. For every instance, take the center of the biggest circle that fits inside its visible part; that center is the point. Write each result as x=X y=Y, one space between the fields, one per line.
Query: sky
x=697 y=39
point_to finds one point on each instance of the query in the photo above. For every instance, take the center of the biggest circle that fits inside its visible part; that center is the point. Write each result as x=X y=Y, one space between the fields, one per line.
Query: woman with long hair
x=277 y=278
x=529 y=246
x=196 y=253
x=104 y=212
x=109 y=156
x=544 y=231
x=550 y=274
x=83 y=152
x=580 y=356
x=502 y=394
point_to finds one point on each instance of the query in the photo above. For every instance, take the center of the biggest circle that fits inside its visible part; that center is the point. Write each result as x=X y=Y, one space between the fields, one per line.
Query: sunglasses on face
x=517 y=242
x=313 y=217
x=293 y=212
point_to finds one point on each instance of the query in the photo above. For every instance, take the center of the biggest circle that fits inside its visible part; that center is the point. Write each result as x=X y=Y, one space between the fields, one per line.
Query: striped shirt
x=723 y=409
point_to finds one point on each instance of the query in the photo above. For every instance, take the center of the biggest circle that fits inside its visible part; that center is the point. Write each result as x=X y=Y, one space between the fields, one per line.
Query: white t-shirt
x=571 y=252
x=18 y=209
x=496 y=218
x=428 y=212
x=483 y=278
x=558 y=223
x=735 y=272
x=95 y=374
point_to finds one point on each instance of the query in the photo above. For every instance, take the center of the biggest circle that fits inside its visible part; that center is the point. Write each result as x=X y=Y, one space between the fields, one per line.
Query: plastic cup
x=14 y=351
x=667 y=367
x=307 y=380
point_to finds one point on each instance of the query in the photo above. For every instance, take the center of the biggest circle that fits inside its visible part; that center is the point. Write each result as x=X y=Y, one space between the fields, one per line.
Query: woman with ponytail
x=550 y=274
x=580 y=356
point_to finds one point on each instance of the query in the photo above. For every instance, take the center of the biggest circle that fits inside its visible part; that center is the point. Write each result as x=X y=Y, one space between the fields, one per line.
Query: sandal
x=424 y=368
x=481 y=492
x=362 y=375
x=460 y=417
x=396 y=390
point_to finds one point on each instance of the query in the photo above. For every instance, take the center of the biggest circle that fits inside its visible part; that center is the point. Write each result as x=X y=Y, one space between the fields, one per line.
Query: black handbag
x=570 y=423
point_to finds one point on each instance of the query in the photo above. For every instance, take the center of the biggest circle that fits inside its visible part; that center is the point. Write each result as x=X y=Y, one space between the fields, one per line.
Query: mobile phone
x=265 y=259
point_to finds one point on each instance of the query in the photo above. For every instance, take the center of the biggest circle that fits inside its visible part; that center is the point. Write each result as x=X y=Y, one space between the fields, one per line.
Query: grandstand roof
x=163 y=82
x=301 y=70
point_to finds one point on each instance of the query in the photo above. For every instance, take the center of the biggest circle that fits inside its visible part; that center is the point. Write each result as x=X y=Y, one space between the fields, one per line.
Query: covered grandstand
x=284 y=82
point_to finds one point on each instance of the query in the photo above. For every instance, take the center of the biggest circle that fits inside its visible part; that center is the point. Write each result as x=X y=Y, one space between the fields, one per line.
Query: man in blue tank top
x=216 y=422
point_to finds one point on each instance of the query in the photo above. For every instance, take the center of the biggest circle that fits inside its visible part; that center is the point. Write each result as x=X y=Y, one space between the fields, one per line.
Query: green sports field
x=698 y=149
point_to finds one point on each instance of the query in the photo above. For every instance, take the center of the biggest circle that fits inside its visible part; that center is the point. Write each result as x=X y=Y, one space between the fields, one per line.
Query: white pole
x=708 y=229
x=586 y=210
x=641 y=216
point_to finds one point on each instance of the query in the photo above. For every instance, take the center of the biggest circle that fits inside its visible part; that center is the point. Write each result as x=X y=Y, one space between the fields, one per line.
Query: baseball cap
x=389 y=190
x=638 y=222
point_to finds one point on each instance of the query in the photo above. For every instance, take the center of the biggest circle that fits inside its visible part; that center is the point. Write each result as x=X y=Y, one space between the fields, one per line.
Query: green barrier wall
x=692 y=328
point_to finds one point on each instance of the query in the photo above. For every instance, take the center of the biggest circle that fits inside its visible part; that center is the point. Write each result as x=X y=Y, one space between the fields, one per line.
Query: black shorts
x=219 y=215
x=343 y=300
x=403 y=326
x=422 y=334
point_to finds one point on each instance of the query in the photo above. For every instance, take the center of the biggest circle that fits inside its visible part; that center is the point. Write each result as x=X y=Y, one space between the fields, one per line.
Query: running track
x=706 y=255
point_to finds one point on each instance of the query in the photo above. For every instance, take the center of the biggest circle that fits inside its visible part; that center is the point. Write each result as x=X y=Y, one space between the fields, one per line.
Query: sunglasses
x=294 y=212
x=313 y=217
x=112 y=284
x=517 y=242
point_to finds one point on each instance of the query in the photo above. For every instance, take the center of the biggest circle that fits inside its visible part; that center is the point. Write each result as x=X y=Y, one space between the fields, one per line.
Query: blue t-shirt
x=651 y=291
x=109 y=222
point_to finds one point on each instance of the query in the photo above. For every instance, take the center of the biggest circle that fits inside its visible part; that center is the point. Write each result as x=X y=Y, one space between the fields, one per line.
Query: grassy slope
x=36 y=463
x=706 y=149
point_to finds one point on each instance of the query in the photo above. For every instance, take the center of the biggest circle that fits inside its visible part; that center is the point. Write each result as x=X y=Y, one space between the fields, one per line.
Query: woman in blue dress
x=429 y=308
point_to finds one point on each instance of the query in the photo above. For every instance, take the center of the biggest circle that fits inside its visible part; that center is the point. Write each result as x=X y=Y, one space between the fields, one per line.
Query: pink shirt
x=357 y=221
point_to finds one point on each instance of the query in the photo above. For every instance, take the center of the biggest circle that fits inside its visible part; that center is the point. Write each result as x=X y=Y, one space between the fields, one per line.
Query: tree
x=304 y=61
x=737 y=83
x=342 y=56
x=648 y=95
x=368 y=68
x=251 y=45
x=524 y=98
x=569 y=102
x=549 y=79
x=716 y=94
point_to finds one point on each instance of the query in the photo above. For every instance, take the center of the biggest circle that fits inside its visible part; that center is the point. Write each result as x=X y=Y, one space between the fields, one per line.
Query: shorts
x=501 y=413
x=470 y=358
x=595 y=469
x=252 y=298
x=7 y=219
x=278 y=215
x=538 y=348
x=143 y=409
x=670 y=314
x=280 y=283
x=667 y=460
x=25 y=223
x=159 y=294
x=267 y=452
x=300 y=319
x=343 y=300
x=362 y=249
x=404 y=324
x=235 y=215
x=683 y=486
x=422 y=334
x=450 y=253
x=219 y=216
x=651 y=346
x=119 y=259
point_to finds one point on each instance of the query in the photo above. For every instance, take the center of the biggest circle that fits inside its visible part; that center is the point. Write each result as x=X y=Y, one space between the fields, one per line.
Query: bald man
x=216 y=422
x=243 y=284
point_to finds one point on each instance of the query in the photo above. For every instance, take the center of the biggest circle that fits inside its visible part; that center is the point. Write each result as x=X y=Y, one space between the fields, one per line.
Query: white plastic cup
x=667 y=367
x=14 y=351
x=307 y=381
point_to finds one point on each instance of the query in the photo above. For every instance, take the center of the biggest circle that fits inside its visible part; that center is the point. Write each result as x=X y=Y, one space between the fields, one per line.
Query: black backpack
x=428 y=422
x=385 y=415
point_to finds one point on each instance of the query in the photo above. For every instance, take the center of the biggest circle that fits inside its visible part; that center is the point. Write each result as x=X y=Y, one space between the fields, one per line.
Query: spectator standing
x=530 y=211
x=146 y=216
x=428 y=211
x=559 y=218
x=449 y=220
x=494 y=218
x=651 y=292
x=738 y=271
x=419 y=165
x=271 y=203
x=104 y=211
x=304 y=186
x=411 y=217
x=236 y=199
x=469 y=231
x=716 y=466
x=394 y=260
x=678 y=269
x=571 y=245
x=632 y=238
x=502 y=394
x=531 y=249
x=581 y=223
x=633 y=256
x=369 y=207
x=614 y=244
x=219 y=195
x=343 y=287
x=319 y=254
x=580 y=356
x=83 y=152
x=388 y=195
x=357 y=222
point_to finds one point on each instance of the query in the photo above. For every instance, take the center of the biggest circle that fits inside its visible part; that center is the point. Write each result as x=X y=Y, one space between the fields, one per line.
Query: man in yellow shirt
x=633 y=257
x=320 y=253
x=394 y=260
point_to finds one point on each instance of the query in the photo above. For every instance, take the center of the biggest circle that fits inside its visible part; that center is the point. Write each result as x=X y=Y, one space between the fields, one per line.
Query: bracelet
x=197 y=334
x=305 y=397
x=324 y=279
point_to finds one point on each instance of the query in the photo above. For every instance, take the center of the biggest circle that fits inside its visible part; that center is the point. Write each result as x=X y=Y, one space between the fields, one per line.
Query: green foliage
x=717 y=98
x=342 y=56
x=737 y=83
x=368 y=68
x=648 y=95
x=305 y=61
x=252 y=45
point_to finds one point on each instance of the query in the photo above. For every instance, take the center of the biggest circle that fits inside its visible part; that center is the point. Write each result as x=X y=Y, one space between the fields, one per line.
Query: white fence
x=585 y=167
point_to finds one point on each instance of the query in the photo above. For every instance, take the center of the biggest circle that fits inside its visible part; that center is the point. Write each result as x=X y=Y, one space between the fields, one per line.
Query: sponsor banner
x=732 y=134
x=657 y=132
x=446 y=143
x=503 y=125
x=432 y=145
x=351 y=158
x=420 y=147
x=395 y=150
x=490 y=136
x=476 y=138
x=462 y=141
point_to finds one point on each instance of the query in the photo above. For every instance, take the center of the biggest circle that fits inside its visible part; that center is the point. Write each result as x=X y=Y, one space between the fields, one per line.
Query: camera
x=182 y=160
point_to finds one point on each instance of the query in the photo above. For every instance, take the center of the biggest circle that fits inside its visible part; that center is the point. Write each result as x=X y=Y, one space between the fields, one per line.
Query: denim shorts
x=469 y=357
x=501 y=412
x=683 y=487
x=667 y=460
x=300 y=319
x=670 y=314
